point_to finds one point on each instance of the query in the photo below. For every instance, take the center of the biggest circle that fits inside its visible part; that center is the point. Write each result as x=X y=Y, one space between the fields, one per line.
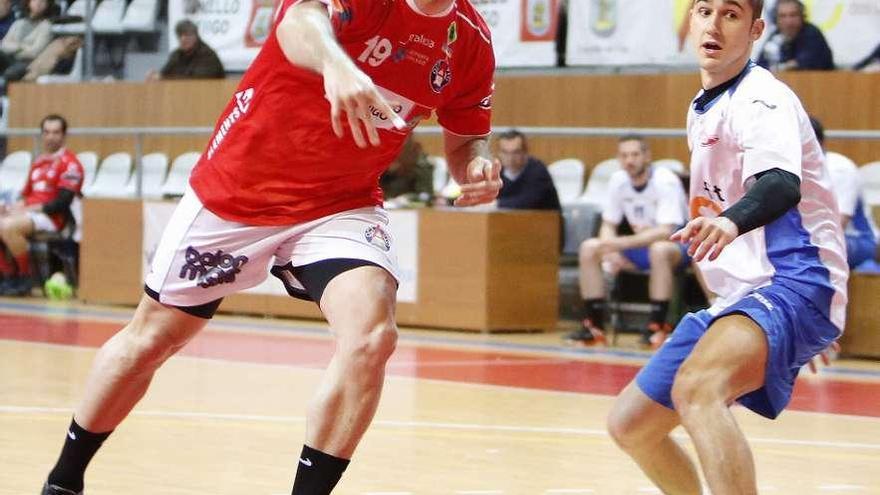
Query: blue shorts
x=642 y=260
x=796 y=331
x=859 y=249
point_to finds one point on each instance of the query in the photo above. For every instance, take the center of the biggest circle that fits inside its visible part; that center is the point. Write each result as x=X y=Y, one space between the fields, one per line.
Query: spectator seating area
x=114 y=176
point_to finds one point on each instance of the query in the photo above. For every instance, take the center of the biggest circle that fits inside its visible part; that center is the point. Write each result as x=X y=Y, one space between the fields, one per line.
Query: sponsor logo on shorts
x=763 y=300
x=377 y=236
x=211 y=269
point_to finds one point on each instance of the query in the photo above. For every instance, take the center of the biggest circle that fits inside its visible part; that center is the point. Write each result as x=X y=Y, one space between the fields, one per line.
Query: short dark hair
x=635 y=137
x=802 y=9
x=186 y=26
x=514 y=134
x=819 y=129
x=54 y=117
x=757 y=8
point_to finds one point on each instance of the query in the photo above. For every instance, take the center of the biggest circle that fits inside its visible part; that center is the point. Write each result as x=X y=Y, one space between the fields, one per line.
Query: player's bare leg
x=14 y=231
x=120 y=375
x=727 y=362
x=359 y=305
x=641 y=428
x=591 y=279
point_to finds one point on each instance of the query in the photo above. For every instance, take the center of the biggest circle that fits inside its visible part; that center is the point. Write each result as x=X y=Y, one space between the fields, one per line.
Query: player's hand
x=707 y=236
x=824 y=356
x=483 y=182
x=352 y=93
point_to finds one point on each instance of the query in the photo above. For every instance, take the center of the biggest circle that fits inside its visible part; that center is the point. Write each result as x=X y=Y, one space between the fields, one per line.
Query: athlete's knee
x=662 y=252
x=371 y=349
x=149 y=340
x=695 y=389
x=589 y=250
x=623 y=430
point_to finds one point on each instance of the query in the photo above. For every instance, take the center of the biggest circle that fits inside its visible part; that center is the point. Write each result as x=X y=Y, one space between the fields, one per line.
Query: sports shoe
x=587 y=335
x=656 y=335
x=57 y=490
x=17 y=286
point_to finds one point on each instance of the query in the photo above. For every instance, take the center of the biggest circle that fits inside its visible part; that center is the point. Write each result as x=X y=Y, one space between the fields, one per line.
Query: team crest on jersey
x=377 y=236
x=441 y=74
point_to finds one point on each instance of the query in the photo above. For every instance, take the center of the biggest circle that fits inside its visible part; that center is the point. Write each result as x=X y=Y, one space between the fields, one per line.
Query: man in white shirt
x=766 y=236
x=855 y=218
x=652 y=199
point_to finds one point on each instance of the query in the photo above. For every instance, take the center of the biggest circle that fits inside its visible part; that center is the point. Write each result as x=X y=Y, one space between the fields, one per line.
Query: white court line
x=841 y=488
x=386 y=493
x=479 y=492
x=562 y=491
x=11 y=409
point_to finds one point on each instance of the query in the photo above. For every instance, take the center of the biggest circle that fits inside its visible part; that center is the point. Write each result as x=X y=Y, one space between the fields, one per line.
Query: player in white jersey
x=855 y=217
x=652 y=199
x=765 y=234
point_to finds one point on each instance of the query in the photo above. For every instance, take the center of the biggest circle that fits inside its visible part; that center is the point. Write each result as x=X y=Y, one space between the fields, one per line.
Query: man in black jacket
x=527 y=183
x=796 y=44
x=193 y=59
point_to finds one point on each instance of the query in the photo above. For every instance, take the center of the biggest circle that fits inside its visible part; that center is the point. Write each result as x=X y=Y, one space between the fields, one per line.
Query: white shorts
x=202 y=257
x=42 y=222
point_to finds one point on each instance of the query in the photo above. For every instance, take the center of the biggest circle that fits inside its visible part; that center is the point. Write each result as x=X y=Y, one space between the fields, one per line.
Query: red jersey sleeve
x=469 y=111
x=70 y=173
x=29 y=184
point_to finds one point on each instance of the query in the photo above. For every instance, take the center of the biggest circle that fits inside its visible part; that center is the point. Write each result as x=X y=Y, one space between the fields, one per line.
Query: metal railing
x=139 y=133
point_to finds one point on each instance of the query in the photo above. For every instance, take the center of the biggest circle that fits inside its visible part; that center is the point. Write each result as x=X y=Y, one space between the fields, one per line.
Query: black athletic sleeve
x=61 y=202
x=774 y=192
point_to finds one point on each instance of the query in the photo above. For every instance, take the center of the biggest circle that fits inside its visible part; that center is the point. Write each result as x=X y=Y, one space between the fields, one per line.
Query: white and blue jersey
x=757 y=125
x=788 y=276
x=861 y=233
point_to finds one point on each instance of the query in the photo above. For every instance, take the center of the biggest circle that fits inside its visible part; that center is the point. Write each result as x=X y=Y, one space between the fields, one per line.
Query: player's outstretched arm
x=306 y=37
x=472 y=166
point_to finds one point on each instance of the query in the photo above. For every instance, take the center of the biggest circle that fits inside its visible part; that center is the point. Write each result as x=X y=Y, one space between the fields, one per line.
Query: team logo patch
x=377 y=236
x=709 y=141
x=211 y=269
x=768 y=105
x=441 y=74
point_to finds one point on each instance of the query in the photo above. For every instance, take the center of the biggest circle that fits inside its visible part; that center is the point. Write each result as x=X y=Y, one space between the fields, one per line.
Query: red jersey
x=48 y=175
x=274 y=159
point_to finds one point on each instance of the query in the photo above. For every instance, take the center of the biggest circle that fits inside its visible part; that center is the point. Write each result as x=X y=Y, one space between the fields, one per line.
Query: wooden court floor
x=461 y=414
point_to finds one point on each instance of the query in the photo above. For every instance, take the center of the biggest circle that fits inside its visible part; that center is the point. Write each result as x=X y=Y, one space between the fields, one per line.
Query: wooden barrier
x=862 y=336
x=477 y=271
x=843 y=100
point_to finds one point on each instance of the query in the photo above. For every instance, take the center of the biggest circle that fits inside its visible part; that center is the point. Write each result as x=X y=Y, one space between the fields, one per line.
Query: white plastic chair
x=14 y=172
x=178 y=176
x=870 y=175
x=78 y=9
x=441 y=172
x=155 y=167
x=140 y=16
x=112 y=177
x=108 y=17
x=671 y=164
x=597 y=184
x=89 y=161
x=568 y=178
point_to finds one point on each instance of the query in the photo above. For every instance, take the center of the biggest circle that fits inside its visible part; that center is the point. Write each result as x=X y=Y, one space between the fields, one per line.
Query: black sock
x=79 y=448
x=594 y=310
x=317 y=472
x=658 y=312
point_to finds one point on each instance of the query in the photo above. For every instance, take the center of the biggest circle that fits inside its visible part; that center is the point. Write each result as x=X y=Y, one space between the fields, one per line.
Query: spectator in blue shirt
x=796 y=44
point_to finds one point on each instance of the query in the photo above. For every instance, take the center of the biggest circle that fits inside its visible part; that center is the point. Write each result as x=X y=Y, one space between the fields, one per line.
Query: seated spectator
x=653 y=201
x=526 y=182
x=7 y=17
x=193 y=59
x=55 y=178
x=796 y=44
x=861 y=235
x=27 y=37
x=410 y=177
x=871 y=63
